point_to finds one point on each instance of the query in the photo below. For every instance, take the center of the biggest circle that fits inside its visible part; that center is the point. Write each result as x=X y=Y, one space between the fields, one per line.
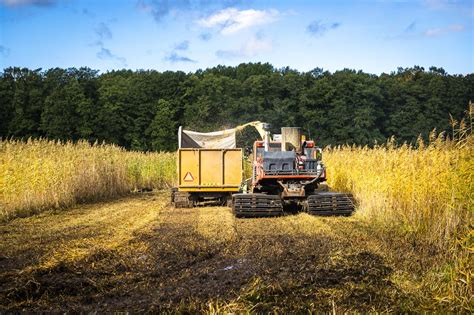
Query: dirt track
x=140 y=254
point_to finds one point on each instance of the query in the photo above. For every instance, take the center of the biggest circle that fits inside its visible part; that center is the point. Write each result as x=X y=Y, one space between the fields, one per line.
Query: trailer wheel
x=174 y=190
x=183 y=200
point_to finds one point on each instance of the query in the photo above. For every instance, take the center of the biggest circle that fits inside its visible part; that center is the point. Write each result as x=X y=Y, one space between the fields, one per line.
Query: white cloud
x=106 y=54
x=231 y=20
x=432 y=32
x=317 y=28
x=256 y=45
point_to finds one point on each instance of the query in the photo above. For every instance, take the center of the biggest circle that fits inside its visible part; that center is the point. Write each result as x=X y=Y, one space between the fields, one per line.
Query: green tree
x=163 y=128
x=141 y=110
x=63 y=110
x=27 y=102
x=7 y=92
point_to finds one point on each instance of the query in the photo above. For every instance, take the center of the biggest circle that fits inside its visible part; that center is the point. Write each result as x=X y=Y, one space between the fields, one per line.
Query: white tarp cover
x=224 y=139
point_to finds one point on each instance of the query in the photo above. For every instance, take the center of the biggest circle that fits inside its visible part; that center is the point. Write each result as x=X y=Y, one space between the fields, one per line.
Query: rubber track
x=331 y=203
x=181 y=199
x=256 y=205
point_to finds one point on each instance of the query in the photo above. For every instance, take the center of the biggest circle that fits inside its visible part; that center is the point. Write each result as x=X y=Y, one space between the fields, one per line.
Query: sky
x=374 y=36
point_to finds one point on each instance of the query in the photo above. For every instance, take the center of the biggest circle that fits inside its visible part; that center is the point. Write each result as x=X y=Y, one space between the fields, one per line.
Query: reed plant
x=425 y=190
x=44 y=174
x=418 y=194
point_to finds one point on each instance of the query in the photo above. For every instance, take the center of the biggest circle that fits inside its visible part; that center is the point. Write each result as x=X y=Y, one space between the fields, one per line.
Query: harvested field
x=140 y=254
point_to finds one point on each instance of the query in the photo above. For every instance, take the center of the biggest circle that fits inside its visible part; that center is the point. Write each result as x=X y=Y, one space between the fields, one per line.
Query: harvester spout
x=291 y=139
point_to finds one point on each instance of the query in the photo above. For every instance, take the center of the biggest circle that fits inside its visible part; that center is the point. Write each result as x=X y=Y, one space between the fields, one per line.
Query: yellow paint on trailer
x=188 y=165
x=209 y=170
x=210 y=189
x=234 y=168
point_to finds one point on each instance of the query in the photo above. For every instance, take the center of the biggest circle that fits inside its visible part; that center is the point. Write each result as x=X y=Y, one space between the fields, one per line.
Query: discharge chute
x=223 y=139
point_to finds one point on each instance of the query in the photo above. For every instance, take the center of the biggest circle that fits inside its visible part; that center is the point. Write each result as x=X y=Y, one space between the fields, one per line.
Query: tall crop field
x=421 y=196
x=42 y=174
x=426 y=191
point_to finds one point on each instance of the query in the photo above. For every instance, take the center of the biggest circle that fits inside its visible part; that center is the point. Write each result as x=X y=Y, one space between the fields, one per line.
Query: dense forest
x=141 y=110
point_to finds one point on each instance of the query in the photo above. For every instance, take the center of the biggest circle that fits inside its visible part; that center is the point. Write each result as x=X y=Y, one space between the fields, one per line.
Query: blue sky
x=374 y=36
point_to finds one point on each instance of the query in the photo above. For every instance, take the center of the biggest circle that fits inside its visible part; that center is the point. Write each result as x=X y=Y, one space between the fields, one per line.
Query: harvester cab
x=287 y=171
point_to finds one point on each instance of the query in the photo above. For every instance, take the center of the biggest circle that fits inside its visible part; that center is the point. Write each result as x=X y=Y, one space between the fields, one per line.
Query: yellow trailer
x=209 y=166
x=207 y=175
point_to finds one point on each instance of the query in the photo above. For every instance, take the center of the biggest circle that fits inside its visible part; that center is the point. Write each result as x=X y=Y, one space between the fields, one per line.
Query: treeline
x=141 y=110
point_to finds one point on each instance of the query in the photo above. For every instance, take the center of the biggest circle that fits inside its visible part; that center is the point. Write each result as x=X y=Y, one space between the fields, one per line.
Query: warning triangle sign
x=188 y=177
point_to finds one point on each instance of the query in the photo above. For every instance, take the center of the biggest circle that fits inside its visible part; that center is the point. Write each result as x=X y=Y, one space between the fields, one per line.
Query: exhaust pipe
x=266 y=127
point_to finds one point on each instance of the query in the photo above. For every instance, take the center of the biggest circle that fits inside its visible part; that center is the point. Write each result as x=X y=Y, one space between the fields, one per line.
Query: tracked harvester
x=287 y=172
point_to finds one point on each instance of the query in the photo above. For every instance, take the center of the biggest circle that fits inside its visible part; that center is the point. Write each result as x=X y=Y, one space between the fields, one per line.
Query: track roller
x=182 y=199
x=256 y=205
x=330 y=203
